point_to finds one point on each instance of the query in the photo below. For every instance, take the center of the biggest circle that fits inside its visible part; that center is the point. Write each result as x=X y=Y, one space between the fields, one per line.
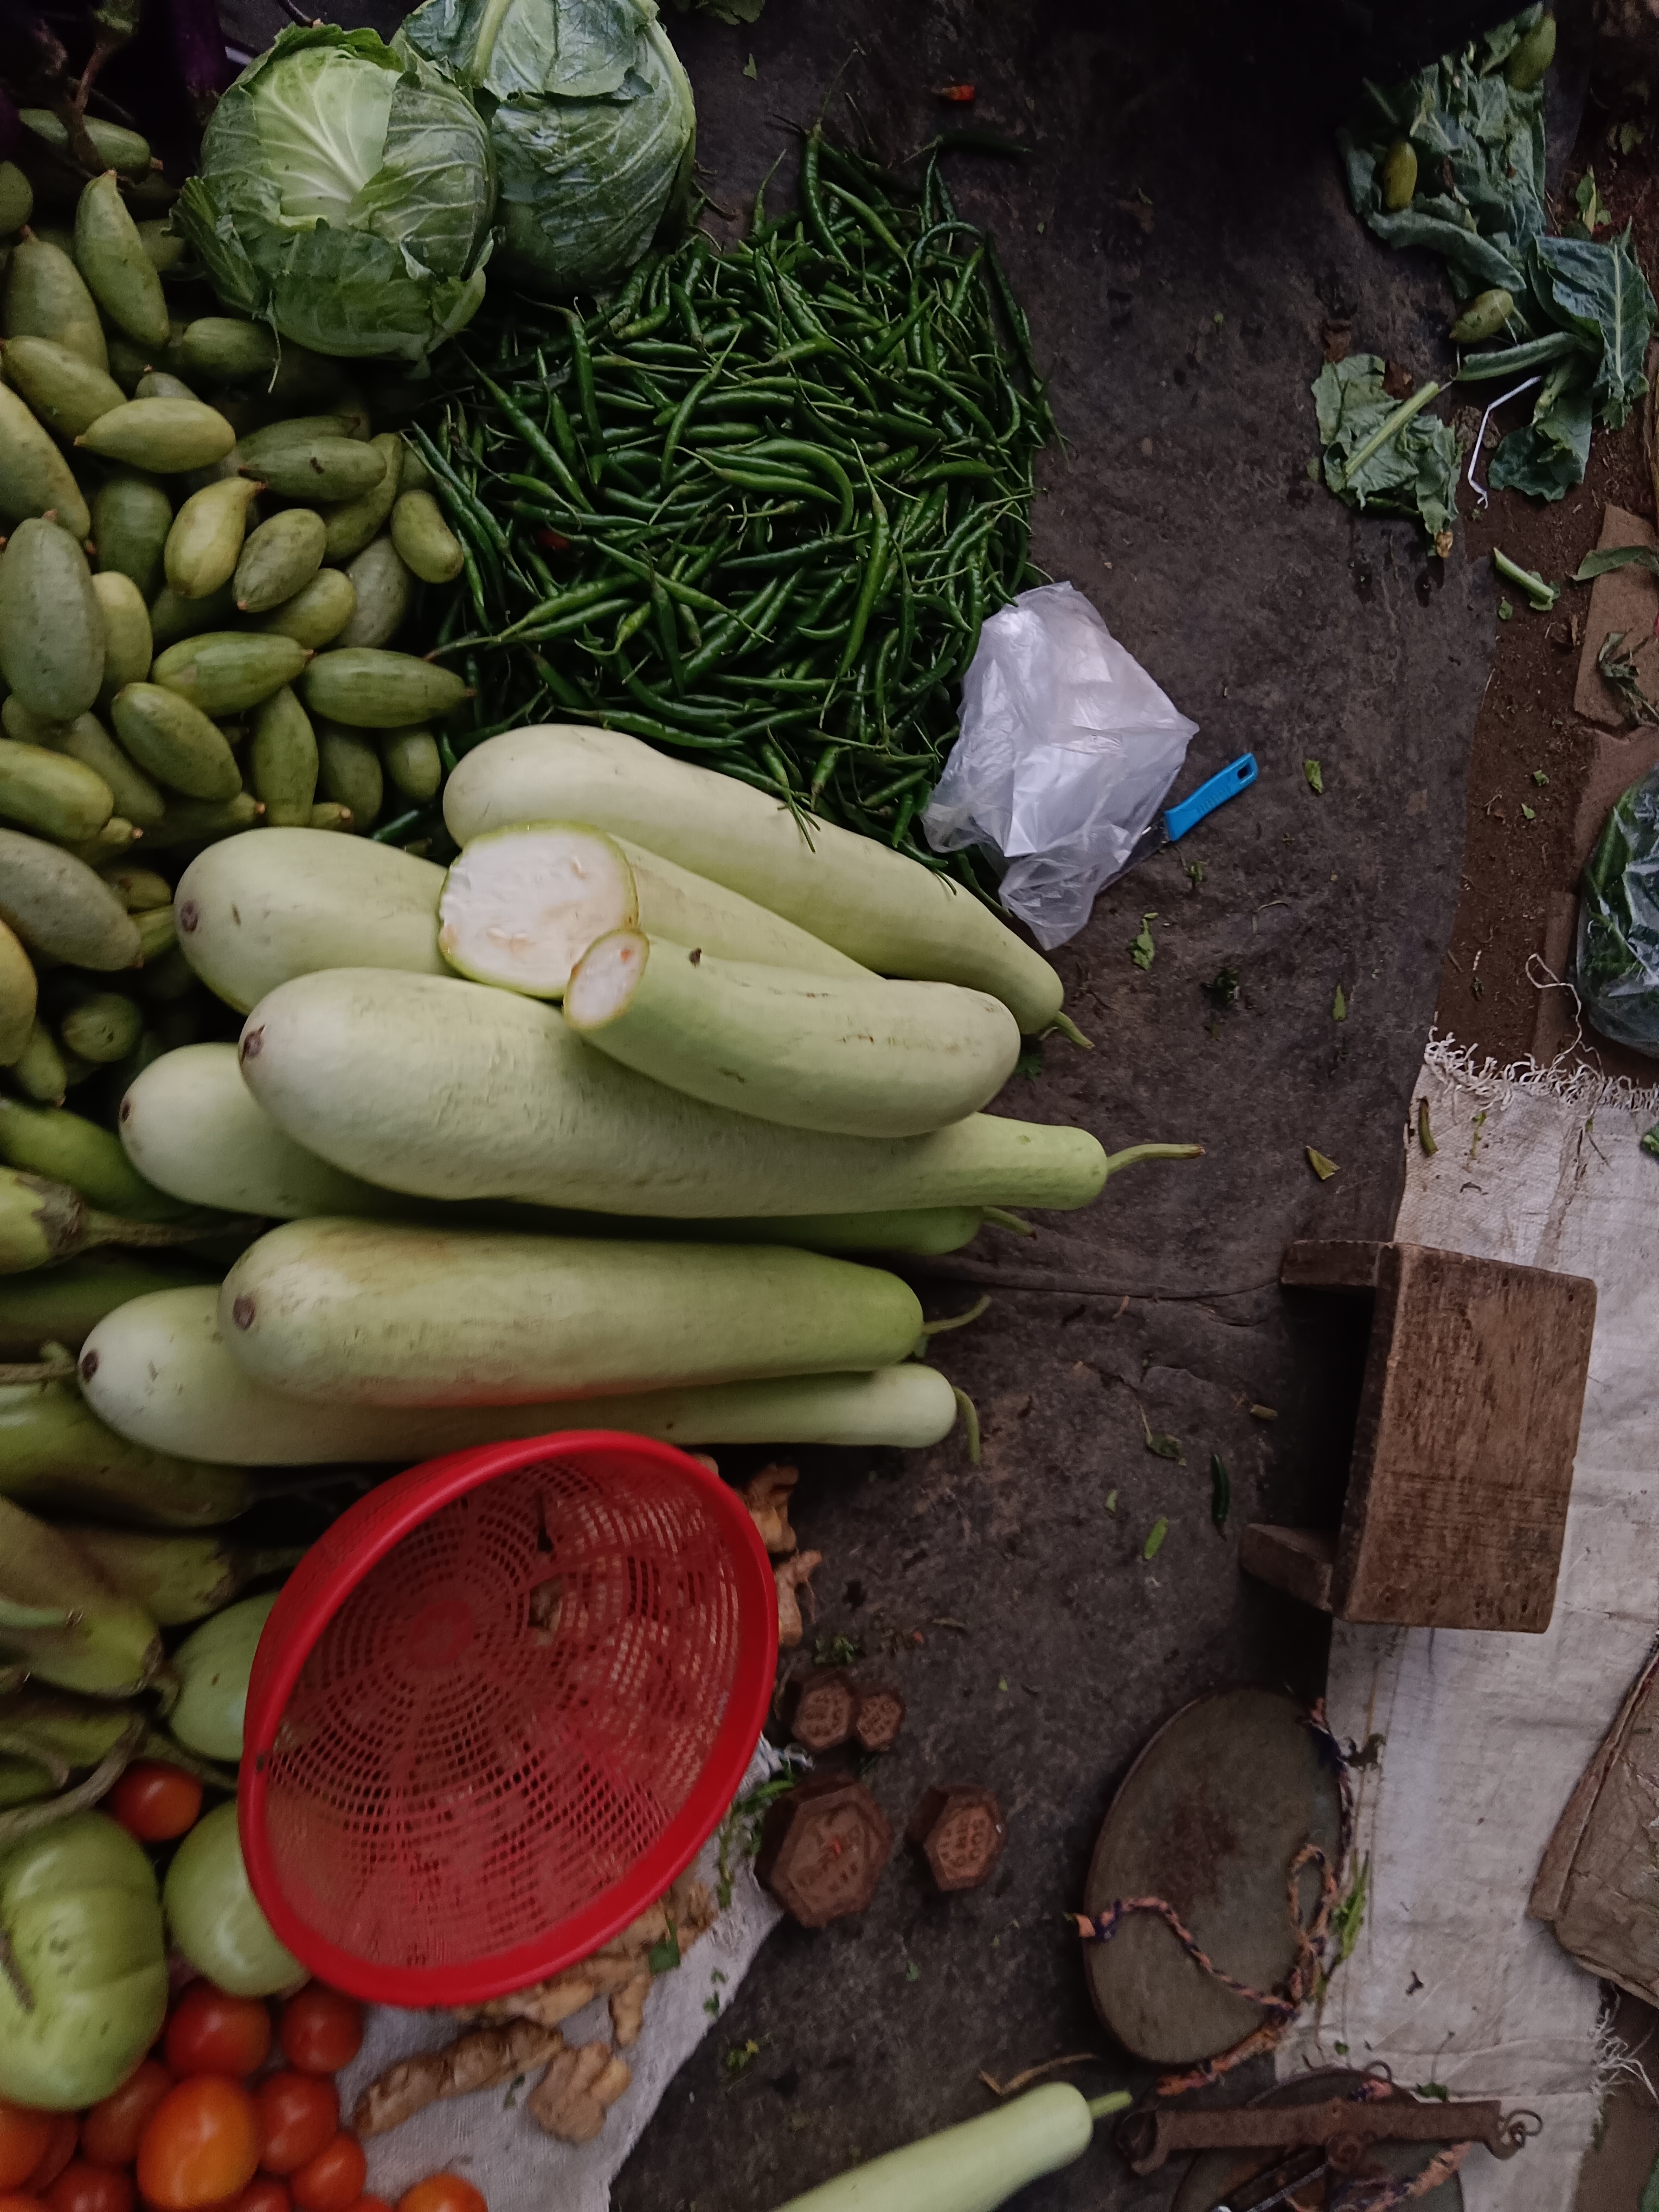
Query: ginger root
x=768 y=1498
x=792 y=1576
x=482 y=2058
x=572 y=2098
x=621 y=1970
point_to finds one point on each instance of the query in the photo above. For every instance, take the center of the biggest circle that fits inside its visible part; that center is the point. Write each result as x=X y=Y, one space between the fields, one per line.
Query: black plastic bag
x=1619 y=922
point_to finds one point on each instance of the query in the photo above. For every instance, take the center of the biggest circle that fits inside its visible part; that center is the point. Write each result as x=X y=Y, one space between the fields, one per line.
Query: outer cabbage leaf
x=1479 y=148
x=592 y=125
x=1413 y=472
x=344 y=197
x=1598 y=290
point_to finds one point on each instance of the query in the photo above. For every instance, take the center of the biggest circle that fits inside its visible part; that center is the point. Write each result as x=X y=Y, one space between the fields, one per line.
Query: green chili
x=875 y=570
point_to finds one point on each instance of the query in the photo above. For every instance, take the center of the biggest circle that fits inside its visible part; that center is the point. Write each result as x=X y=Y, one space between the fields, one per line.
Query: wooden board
x=1468 y=1419
x=1216 y=2174
x=1209 y=1818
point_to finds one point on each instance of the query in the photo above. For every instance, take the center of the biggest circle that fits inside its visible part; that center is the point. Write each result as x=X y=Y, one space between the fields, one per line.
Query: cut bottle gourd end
x=605 y=978
x=521 y=907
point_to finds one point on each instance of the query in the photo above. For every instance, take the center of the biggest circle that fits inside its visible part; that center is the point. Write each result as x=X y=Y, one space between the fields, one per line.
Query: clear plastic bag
x=1067 y=749
x=1618 y=959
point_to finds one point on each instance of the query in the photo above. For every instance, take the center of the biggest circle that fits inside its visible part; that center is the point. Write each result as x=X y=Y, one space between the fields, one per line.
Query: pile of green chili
x=754 y=508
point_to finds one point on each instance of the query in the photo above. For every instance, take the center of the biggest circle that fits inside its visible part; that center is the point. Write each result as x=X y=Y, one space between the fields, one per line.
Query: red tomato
x=65 y=2135
x=333 y=2180
x=321 y=2031
x=443 y=2192
x=12 y=2200
x=25 y=2136
x=156 y=1802
x=263 y=2195
x=110 y=2130
x=371 y=2205
x=210 y=2032
x=200 y=2145
x=299 y=2113
x=83 y=2188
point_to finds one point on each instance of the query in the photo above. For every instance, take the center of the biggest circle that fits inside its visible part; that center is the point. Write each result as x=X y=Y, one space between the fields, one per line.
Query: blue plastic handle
x=1237 y=775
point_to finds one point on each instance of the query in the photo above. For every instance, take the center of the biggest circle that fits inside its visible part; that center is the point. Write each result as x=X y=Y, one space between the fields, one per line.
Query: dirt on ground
x=1533 y=755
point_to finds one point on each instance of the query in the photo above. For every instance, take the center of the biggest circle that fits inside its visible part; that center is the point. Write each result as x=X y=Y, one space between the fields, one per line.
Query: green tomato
x=212 y=1666
x=215 y=1918
x=79 y=1910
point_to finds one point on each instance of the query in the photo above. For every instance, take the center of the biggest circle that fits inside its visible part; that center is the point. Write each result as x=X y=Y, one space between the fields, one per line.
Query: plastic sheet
x=1068 y=749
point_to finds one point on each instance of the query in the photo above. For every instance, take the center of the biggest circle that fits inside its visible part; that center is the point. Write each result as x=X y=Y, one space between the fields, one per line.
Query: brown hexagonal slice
x=959 y=1827
x=880 y=1716
x=822 y=1849
x=821 y=1708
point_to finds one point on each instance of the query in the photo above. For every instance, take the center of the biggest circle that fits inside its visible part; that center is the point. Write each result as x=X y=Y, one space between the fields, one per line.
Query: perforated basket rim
x=326 y=1577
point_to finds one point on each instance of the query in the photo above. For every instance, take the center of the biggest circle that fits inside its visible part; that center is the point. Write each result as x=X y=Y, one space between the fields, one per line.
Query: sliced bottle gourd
x=521 y=906
x=872 y=904
x=864 y=1058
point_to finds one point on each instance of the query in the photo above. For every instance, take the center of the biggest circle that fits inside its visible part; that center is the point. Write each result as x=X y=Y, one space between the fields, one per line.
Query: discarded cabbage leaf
x=1480 y=205
x=1412 y=472
x=591 y=119
x=1618 y=959
x=344 y=197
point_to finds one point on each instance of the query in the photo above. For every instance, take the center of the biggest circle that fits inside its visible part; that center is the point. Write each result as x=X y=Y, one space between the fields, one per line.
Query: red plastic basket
x=497 y=1708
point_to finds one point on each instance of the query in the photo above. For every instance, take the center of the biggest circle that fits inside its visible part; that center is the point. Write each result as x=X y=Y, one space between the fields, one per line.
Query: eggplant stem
x=24 y=1819
x=1115 y=2100
x=1132 y=1154
x=969 y=1413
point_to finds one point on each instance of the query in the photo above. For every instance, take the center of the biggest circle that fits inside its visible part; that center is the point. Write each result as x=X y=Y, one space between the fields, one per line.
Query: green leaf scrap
x=1316 y=775
x=1425 y=1134
x=1340 y=1006
x=1162 y=1447
x=1616 y=556
x=1618 y=673
x=1349 y=1916
x=1154 y=1543
x=1142 y=950
x=1323 y=1168
x=1649 y=1146
x=1222 y=992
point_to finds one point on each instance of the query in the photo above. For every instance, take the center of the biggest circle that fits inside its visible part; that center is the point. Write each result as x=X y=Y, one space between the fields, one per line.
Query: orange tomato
x=333 y=2180
x=212 y=2033
x=299 y=2115
x=443 y=2192
x=25 y=2135
x=200 y=2145
x=110 y=2130
x=320 y=2030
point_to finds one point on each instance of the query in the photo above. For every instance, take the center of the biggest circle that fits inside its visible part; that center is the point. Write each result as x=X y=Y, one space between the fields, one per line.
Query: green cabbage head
x=344 y=197
x=591 y=119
